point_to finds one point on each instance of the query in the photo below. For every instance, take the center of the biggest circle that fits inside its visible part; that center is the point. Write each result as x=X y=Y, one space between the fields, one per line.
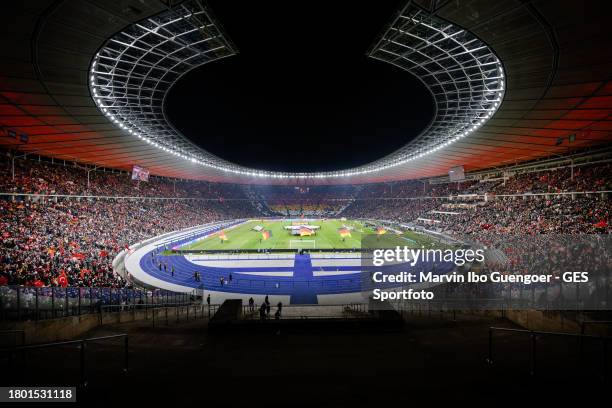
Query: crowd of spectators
x=585 y=178
x=72 y=242
x=591 y=178
x=49 y=240
x=295 y=201
x=393 y=210
x=542 y=210
x=45 y=178
x=411 y=189
x=558 y=214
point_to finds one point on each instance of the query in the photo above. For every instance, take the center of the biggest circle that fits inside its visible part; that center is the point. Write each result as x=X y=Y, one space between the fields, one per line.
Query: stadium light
x=456 y=63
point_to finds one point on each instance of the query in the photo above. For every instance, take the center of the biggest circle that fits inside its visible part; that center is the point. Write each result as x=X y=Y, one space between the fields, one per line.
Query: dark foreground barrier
x=534 y=336
x=229 y=311
x=347 y=318
x=20 y=353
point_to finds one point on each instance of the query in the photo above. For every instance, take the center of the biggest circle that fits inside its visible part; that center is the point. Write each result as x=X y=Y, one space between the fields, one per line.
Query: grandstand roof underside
x=556 y=56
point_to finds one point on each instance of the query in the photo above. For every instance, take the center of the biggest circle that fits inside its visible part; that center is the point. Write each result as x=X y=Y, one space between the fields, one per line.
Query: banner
x=140 y=174
x=456 y=173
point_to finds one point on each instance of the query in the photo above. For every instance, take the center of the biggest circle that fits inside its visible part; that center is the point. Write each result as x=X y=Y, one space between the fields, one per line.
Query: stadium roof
x=512 y=81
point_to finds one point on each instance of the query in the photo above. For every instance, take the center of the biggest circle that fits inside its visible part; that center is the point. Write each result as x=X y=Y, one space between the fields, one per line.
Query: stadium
x=221 y=202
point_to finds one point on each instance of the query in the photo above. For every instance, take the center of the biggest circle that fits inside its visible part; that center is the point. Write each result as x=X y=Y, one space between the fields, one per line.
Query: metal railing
x=32 y=303
x=315 y=311
x=356 y=307
x=164 y=312
x=82 y=344
x=533 y=335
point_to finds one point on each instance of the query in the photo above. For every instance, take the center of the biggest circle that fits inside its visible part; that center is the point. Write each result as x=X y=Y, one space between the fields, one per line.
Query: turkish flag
x=62 y=280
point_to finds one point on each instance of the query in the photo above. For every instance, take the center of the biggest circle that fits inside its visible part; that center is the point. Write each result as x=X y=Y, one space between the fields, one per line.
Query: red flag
x=62 y=280
x=601 y=224
x=344 y=232
x=38 y=283
x=78 y=256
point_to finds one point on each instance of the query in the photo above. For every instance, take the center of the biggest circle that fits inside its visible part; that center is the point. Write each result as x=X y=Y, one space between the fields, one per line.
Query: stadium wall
x=71 y=327
x=49 y=330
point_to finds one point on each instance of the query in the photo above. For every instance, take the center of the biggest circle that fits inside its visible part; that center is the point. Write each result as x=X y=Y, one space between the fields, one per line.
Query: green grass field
x=244 y=237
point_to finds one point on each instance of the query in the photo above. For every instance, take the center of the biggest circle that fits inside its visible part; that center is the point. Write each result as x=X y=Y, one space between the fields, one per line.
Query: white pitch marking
x=242 y=263
x=336 y=262
x=264 y=273
x=333 y=273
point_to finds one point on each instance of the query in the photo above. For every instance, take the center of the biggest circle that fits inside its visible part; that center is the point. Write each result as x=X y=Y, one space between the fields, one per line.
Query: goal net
x=302 y=244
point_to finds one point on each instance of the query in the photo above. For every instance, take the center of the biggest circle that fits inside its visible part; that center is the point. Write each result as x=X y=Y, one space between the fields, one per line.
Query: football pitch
x=327 y=236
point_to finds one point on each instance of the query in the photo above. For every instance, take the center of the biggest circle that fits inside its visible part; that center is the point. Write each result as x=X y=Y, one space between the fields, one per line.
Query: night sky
x=301 y=95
